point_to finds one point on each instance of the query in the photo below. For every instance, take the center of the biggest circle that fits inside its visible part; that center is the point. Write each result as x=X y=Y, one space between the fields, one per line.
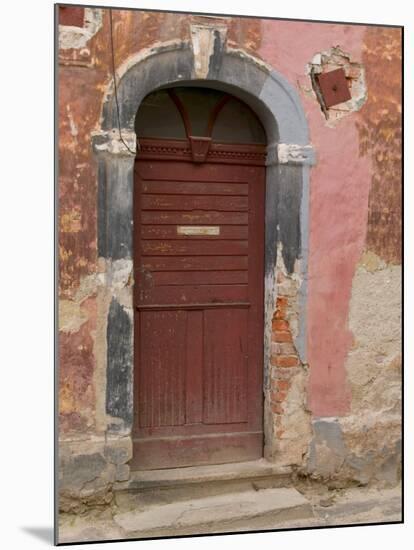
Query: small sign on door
x=198 y=230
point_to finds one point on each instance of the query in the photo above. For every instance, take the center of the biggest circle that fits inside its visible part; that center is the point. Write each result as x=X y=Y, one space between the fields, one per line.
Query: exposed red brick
x=283 y=373
x=279 y=314
x=281 y=385
x=281 y=307
x=281 y=301
x=280 y=324
x=276 y=408
x=278 y=396
x=286 y=348
x=284 y=361
x=281 y=336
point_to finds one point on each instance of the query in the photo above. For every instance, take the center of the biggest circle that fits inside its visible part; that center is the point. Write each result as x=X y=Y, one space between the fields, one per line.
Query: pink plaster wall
x=340 y=181
x=339 y=189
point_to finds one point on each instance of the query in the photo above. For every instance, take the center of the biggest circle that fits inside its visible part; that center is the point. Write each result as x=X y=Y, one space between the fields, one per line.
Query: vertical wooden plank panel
x=225 y=366
x=161 y=388
x=194 y=382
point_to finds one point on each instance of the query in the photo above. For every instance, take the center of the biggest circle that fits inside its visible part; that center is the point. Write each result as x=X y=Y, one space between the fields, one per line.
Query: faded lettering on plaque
x=198 y=230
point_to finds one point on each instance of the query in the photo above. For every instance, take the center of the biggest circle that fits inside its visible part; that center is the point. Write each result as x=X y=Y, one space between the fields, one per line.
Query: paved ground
x=250 y=510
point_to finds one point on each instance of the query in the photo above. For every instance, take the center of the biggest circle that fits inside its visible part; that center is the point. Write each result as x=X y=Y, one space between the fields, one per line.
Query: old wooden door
x=199 y=255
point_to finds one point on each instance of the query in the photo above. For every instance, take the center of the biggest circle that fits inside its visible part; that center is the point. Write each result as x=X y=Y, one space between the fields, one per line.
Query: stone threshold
x=192 y=475
x=233 y=511
x=258 y=510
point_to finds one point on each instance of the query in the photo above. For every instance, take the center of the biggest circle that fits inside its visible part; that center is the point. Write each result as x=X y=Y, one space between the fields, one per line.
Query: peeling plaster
x=238 y=52
x=289 y=153
x=380 y=139
x=110 y=142
x=207 y=40
x=374 y=362
x=78 y=37
x=327 y=61
x=119 y=273
x=71 y=316
x=88 y=468
x=291 y=447
x=73 y=127
x=364 y=445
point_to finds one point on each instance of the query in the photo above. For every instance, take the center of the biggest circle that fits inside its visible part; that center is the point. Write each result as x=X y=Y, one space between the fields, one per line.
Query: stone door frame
x=289 y=157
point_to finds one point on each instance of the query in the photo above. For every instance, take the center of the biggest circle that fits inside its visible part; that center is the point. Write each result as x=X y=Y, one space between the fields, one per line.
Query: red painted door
x=199 y=273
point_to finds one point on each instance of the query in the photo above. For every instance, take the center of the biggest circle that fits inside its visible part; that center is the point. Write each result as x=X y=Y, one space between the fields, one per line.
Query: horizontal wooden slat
x=170 y=232
x=191 y=218
x=182 y=171
x=192 y=306
x=182 y=294
x=197 y=263
x=152 y=453
x=199 y=277
x=193 y=188
x=194 y=202
x=197 y=248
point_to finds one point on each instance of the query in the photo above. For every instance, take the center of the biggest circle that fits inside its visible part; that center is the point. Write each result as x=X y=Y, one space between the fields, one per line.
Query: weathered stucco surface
x=380 y=135
x=336 y=412
x=88 y=468
x=372 y=431
x=365 y=445
x=339 y=190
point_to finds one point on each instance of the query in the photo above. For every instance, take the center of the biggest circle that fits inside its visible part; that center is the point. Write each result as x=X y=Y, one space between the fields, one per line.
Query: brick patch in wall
x=284 y=361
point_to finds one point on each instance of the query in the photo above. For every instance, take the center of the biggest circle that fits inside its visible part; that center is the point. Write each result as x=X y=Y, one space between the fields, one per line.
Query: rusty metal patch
x=334 y=87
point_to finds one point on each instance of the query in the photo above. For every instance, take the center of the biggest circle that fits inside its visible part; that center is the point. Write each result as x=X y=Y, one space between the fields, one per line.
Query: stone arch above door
x=274 y=100
x=289 y=156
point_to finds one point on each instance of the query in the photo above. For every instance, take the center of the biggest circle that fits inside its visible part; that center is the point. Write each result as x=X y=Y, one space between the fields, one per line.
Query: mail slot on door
x=198 y=230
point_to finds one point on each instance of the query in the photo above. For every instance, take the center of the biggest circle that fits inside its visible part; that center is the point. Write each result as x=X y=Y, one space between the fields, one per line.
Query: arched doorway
x=199 y=196
x=288 y=162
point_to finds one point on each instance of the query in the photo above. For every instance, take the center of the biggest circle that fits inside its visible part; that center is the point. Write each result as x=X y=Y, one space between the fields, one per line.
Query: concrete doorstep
x=196 y=475
x=238 y=510
x=248 y=510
